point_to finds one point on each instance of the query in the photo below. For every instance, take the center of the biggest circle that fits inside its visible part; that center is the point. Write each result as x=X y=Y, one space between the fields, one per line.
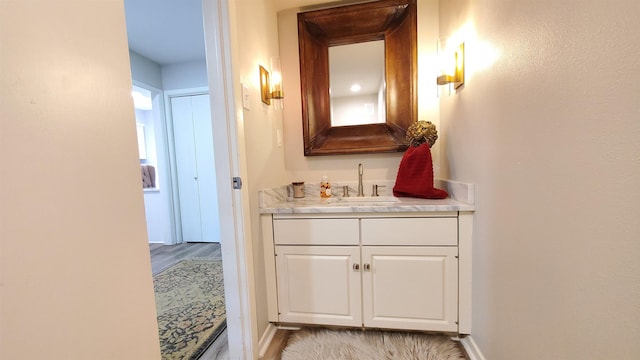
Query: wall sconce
x=271 y=86
x=451 y=66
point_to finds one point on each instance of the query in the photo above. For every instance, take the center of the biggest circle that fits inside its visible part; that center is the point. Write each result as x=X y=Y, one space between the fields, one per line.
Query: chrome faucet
x=360 y=188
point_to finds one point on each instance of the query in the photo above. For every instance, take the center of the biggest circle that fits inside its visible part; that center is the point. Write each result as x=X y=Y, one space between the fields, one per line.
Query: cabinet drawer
x=410 y=231
x=316 y=232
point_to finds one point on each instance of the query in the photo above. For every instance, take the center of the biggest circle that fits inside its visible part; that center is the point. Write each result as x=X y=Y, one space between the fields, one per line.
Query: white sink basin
x=362 y=200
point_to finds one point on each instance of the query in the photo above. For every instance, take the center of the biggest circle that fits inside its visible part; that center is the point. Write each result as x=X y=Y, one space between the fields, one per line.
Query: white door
x=195 y=168
x=410 y=287
x=319 y=285
x=209 y=218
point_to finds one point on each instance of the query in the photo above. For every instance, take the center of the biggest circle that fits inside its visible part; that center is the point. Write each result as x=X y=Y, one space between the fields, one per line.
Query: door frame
x=174 y=194
x=233 y=203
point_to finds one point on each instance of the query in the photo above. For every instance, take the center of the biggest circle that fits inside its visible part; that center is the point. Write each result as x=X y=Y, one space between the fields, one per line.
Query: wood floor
x=164 y=256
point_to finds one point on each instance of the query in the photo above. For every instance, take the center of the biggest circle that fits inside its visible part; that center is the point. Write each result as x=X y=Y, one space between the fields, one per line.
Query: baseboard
x=471 y=348
x=265 y=340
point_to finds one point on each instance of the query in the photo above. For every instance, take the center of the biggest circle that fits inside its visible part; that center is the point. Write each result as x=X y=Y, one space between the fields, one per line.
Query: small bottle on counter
x=325 y=187
x=298 y=189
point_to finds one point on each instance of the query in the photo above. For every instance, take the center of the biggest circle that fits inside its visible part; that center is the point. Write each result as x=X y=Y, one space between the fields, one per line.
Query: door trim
x=236 y=252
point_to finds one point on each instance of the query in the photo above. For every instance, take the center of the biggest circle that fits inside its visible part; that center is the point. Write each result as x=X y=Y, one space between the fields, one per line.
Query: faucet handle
x=374 y=191
x=345 y=191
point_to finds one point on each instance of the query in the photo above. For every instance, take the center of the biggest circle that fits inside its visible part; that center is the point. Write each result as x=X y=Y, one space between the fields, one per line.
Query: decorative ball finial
x=420 y=132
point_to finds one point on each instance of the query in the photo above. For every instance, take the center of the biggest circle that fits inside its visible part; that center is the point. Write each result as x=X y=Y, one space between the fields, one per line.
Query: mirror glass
x=357 y=83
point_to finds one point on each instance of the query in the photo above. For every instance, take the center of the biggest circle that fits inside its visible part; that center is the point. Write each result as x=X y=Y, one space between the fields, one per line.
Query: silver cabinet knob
x=356 y=267
x=366 y=267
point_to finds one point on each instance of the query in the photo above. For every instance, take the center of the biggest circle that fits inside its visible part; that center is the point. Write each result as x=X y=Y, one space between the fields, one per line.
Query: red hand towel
x=415 y=175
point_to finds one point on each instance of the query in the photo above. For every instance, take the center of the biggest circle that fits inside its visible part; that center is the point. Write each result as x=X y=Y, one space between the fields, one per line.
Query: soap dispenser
x=325 y=187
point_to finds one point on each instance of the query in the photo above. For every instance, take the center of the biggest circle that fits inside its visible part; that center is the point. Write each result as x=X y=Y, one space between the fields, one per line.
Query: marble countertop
x=273 y=201
x=318 y=205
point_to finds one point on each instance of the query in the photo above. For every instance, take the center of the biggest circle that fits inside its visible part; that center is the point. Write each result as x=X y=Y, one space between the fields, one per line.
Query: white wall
x=75 y=268
x=185 y=75
x=549 y=135
x=148 y=75
x=344 y=167
x=353 y=110
x=145 y=70
x=156 y=201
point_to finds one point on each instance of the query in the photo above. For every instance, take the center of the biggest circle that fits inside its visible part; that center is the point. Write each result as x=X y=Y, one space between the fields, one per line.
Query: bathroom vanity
x=388 y=263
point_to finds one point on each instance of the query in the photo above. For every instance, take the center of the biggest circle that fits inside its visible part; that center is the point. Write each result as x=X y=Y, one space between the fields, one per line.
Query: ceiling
x=166 y=31
x=171 y=31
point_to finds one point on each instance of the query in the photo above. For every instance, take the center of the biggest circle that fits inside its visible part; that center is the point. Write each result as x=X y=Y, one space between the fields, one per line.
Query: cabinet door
x=410 y=287
x=319 y=285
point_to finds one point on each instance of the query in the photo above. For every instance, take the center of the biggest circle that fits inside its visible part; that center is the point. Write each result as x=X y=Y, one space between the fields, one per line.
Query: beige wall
x=549 y=135
x=75 y=276
x=344 y=167
x=262 y=160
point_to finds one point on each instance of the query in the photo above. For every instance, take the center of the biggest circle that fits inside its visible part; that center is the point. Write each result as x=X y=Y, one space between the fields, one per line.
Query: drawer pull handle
x=356 y=267
x=367 y=267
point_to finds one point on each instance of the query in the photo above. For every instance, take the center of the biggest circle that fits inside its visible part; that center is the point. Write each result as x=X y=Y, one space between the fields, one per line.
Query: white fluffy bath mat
x=323 y=344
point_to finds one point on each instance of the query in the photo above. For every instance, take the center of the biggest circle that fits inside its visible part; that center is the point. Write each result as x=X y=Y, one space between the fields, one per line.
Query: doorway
x=153 y=154
x=181 y=135
x=235 y=250
x=179 y=155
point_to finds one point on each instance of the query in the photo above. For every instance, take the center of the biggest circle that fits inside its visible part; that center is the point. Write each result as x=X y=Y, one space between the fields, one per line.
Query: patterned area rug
x=320 y=344
x=190 y=307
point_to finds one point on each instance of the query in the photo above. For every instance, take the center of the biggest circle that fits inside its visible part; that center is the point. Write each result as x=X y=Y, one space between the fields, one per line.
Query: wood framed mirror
x=394 y=22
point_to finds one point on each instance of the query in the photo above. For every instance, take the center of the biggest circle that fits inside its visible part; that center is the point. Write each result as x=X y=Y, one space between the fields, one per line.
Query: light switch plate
x=245 y=97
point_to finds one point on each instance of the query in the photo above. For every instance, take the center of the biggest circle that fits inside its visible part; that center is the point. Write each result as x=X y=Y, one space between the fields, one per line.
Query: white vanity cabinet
x=317 y=271
x=395 y=271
